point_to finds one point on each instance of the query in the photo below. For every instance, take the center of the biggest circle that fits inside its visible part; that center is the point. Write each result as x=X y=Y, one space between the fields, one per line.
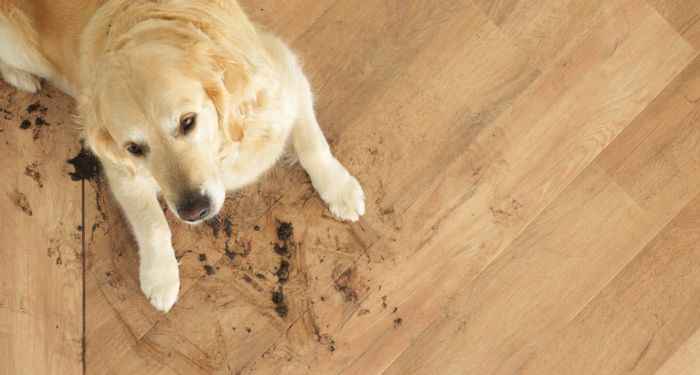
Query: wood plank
x=686 y=360
x=656 y=160
x=544 y=278
x=683 y=16
x=642 y=317
x=289 y=18
x=654 y=154
x=511 y=172
x=41 y=267
x=543 y=28
x=358 y=49
x=324 y=246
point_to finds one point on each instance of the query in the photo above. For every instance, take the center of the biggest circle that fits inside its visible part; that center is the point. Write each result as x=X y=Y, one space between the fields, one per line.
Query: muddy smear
x=322 y=338
x=228 y=227
x=33 y=172
x=230 y=254
x=343 y=284
x=86 y=164
x=215 y=226
x=21 y=202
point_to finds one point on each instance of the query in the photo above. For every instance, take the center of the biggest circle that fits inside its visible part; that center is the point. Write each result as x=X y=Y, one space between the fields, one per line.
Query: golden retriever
x=184 y=98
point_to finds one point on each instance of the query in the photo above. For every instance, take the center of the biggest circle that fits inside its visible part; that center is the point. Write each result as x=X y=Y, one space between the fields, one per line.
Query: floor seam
x=84 y=269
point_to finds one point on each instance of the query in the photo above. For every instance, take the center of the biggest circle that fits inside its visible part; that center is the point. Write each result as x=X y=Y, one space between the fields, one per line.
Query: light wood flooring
x=532 y=173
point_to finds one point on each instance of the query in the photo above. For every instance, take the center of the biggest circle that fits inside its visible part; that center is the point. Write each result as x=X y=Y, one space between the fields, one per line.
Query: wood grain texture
x=652 y=304
x=540 y=282
x=684 y=16
x=41 y=266
x=532 y=173
x=686 y=360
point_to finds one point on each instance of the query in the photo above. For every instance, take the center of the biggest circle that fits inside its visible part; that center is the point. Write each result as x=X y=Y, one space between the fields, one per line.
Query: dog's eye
x=134 y=149
x=187 y=123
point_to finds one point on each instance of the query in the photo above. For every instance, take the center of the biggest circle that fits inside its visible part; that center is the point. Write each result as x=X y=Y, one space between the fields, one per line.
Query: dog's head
x=167 y=101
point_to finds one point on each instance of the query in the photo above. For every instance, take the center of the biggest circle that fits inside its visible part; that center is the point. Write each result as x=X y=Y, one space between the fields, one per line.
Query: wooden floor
x=532 y=172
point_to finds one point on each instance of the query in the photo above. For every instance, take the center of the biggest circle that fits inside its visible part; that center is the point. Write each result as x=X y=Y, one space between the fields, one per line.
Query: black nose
x=194 y=207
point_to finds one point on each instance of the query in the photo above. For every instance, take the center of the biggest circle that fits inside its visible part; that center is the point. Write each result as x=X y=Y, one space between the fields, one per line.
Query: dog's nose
x=194 y=208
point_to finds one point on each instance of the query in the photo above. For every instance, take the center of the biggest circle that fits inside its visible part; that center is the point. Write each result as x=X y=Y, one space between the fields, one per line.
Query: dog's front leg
x=158 y=269
x=337 y=187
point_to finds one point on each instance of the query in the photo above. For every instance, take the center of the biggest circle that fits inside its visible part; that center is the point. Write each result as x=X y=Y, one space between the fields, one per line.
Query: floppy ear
x=230 y=125
x=229 y=88
x=97 y=137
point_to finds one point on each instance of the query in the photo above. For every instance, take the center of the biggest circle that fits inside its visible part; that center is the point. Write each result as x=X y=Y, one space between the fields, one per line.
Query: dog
x=184 y=99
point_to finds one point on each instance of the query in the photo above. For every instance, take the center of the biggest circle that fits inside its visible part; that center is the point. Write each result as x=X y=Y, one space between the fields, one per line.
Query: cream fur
x=136 y=67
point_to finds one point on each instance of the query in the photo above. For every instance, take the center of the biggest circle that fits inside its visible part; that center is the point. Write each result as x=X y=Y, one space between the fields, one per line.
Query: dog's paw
x=160 y=282
x=21 y=80
x=345 y=199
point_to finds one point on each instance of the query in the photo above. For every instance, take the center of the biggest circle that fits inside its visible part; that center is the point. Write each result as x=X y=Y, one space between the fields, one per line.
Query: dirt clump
x=284 y=231
x=86 y=164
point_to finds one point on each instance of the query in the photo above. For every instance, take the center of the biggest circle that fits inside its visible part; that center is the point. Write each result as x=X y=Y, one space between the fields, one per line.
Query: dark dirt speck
x=278 y=297
x=281 y=311
x=283 y=272
x=202 y=257
x=398 y=322
x=281 y=250
x=36 y=107
x=209 y=269
x=25 y=124
x=284 y=231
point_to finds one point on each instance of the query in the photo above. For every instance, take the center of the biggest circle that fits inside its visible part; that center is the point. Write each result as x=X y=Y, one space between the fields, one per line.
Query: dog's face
x=161 y=109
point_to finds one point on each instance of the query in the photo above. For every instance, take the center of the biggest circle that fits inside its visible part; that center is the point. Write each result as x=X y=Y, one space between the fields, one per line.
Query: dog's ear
x=97 y=137
x=229 y=87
